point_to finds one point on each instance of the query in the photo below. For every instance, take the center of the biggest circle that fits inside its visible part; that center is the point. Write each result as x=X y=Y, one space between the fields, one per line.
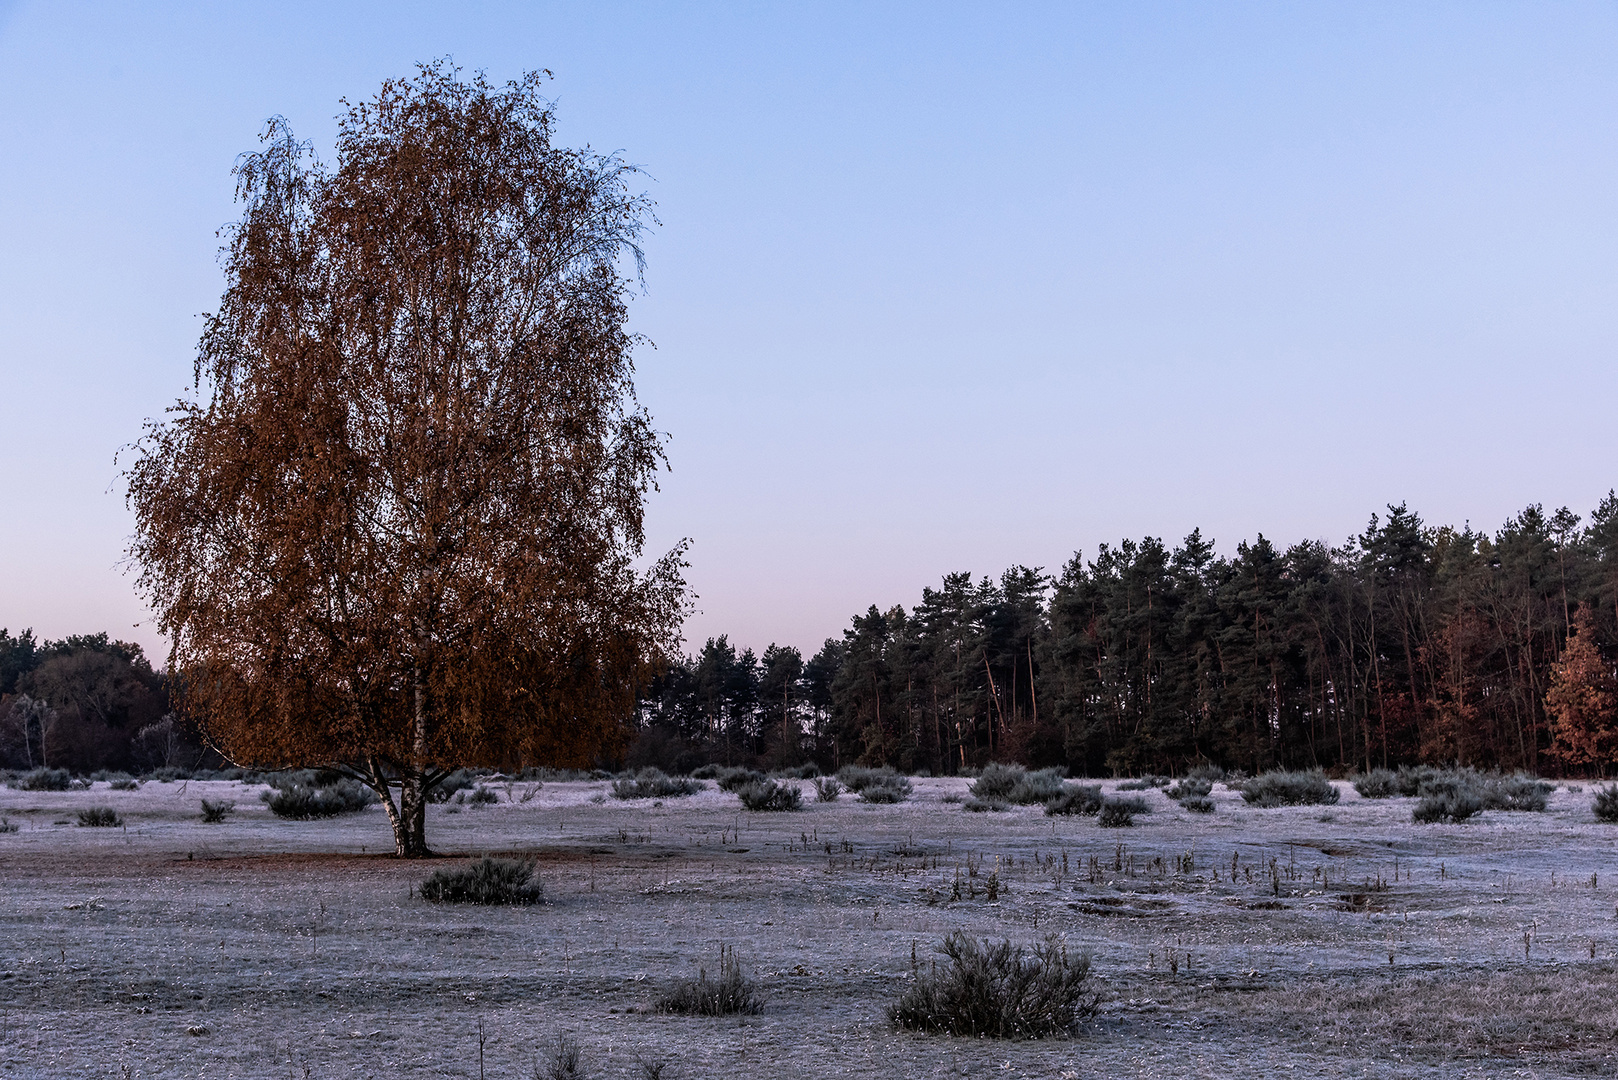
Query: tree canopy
x=397 y=526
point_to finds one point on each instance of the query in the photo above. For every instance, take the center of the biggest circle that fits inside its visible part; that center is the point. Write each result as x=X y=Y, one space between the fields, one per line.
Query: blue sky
x=937 y=287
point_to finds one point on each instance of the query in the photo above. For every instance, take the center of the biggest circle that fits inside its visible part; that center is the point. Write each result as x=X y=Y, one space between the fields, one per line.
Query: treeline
x=85 y=703
x=1408 y=644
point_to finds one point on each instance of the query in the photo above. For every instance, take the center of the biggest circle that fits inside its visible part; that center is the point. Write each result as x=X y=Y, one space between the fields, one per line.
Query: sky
x=936 y=287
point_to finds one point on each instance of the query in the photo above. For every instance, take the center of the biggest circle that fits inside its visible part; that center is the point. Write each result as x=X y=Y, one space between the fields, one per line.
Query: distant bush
x=1273 y=789
x=984 y=806
x=827 y=788
x=1115 y=814
x=1075 y=799
x=127 y=783
x=1516 y=793
x=447 y=788
x=486 y=881
x=100 y=817
x=732 y=992
x=998 y=991
x=1135 y=804
x=168 y=774
x=730 y=778
x=215 y=812
x=1454 y=803
x=995 y=781
x=857 y=778
x=652 y=783
x=1197 y=804
x=43 y=780
x=1190 y=788
x=1377 y=784
x=482 y=795
x=807 y=771
x=308 y=794
x=887 y=789
x=769 y=795
x=1410 y=778
x=1211 y=773
x=1605 y=805
x=706 y=772
x=7 y=825
x=1144 y=783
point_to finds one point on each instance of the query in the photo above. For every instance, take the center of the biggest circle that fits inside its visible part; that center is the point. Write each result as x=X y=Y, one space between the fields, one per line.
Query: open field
x=1348 y=941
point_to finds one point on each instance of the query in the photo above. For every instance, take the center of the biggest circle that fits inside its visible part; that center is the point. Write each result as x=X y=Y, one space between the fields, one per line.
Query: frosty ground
x=1348 y=942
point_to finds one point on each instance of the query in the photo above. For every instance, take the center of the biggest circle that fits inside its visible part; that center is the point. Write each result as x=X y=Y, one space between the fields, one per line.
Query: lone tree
x=395 y=527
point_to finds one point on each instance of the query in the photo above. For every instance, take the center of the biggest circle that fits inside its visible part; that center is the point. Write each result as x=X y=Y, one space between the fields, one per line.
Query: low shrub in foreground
x=1075 y=799
x=215 y=812
x=486 y=881
x=857 y=778
x=1190 y=788
x=1197 y=804
x=887 y=789
x=308 y=794
x=1452 y=804
x=769 y=795
x=997 y=991
x=1605 y=806
x=1115 y=814
x=995 y=782
x=1273 y=789
x=1377 y=784
x=1014 y=784
x=734 y=778
x=43 y=780
x=651 y=783
x=732 y=992
x=827 y=788
x=100 y=817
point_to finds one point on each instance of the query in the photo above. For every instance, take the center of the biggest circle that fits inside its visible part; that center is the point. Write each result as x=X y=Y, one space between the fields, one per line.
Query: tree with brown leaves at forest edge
x=394 y=528
x=1583 y=700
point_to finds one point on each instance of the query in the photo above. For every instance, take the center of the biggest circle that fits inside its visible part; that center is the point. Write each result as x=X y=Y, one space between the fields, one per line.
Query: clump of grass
x=1283 y=788
x=486 y=881
x=984 y=806
x=1135 y=804
x=807 y=771
x=886 y=789
x=1410 y=778
x=1116 y=814
x=1144 y=783
x=100 y=817
x=732 y=992
x=827 y=788
x=1605 y=806
x=1377 y=784
x=215 y=812
x=1446 y=802
x=769 y=795
x=857 y=778
x=1191 y=787
x=998 y=991
x=43 y=780
x=651 y=783
x=1214 y=774
x=562 y=1063
x=1075 y=799
x=1197 y=804
x=456 y=782
x=482 y=795
x=995 y=782
x=310 y=794
x=733 y=778
x=7 y=825
x=124 y=783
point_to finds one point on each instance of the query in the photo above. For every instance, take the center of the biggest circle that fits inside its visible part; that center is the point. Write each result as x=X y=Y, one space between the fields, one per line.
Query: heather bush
x=652 y=783
x=732 y=992
x=1410 y=778
x=770 y=795
x=807 y=771
x=1377 y=784
x=482 y=795
x=216 y=812
x=886 y=789
x=43 y=780
x=996 y=781
x=458 y=781
x=1282 y=788
x=1197 y=804
x=1442 y=802
x=1190 y=788
x=1075 y=799
x=984 y=806
x=1115 y=814
x=1209 y=772
x=1144 y=783
x=857 y=778
x=309 y=794
x=1605 y=806
x=100 y=817
x=731 y=778
x=997 y=991
x=486 y=881
x=827 y=788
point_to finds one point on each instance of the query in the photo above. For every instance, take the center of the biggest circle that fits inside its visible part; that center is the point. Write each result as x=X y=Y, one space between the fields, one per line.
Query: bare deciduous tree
x=396 y=527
